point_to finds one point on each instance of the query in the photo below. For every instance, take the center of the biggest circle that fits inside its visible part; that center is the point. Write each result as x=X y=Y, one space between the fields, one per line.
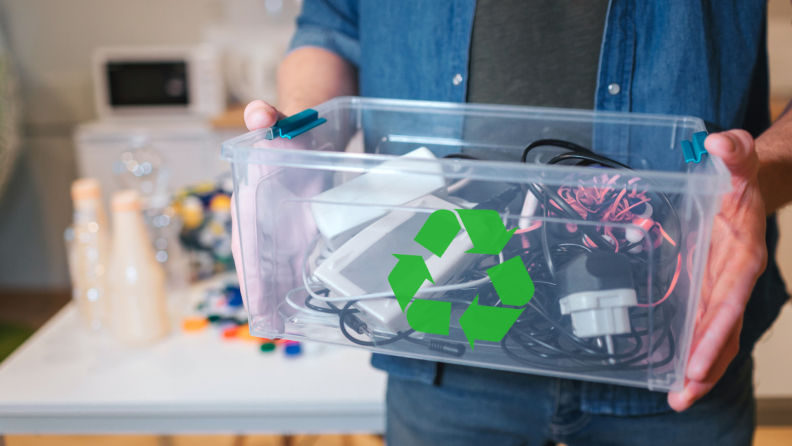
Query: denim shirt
x=681 y=57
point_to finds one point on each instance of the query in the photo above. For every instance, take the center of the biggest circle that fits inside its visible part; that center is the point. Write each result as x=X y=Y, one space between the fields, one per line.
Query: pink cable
x=673 y=284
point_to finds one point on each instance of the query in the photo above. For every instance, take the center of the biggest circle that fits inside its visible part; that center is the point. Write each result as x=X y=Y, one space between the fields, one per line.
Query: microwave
x=158 y=81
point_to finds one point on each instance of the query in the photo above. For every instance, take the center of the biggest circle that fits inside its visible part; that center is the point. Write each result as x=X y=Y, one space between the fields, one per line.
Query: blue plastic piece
x=233 y=296
x=693 y=150
x=298 y=124
x=293 y=349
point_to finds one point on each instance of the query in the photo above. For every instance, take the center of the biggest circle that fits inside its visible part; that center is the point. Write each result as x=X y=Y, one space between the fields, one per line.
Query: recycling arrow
x=430 y=316
x=510 y=278
x=512 y=282
x=407 y=277
x=486 y=230
x=439 y=231
x=485 y=323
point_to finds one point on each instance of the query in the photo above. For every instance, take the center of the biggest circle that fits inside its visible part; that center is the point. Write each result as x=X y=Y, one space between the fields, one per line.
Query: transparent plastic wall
x=336 y=223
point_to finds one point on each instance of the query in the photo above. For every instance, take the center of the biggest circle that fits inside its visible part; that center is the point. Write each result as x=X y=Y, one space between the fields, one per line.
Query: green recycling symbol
x=510 y=278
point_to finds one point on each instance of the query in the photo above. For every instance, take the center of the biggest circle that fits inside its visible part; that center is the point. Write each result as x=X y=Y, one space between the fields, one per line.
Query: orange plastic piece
x=231 y=332
x=194 y=324
x=243 y=333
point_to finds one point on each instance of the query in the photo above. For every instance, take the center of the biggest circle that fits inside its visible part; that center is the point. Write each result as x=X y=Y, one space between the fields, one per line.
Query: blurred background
x=65 y=130
x=51 y=44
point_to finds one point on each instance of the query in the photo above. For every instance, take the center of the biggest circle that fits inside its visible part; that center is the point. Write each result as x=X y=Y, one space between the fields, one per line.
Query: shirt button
x=614 y=89
x=457 y=79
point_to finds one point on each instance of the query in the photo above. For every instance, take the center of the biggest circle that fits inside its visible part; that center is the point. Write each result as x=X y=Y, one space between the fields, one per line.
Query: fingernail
x=731 y=147
x=258 y=115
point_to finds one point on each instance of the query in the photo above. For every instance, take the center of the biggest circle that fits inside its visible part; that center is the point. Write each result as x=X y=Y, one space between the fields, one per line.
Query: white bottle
x=137 y=281
x=90 y=252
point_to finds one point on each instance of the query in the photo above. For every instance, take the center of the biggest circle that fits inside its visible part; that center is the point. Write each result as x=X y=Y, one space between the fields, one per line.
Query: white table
x=67 y=380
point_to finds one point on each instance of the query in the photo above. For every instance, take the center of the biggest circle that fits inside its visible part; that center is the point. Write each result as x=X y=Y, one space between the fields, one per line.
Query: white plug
x=599 y=313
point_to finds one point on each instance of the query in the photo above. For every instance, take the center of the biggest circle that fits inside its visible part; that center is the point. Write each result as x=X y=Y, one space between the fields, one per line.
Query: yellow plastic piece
x=192 y=214
x=195 y=324
x=220 y=203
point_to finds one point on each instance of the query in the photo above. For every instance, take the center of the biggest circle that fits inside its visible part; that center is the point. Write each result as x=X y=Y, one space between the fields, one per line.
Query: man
x=681 y=57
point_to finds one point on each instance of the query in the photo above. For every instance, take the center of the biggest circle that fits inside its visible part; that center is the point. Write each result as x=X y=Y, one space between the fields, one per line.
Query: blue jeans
x=474 y=406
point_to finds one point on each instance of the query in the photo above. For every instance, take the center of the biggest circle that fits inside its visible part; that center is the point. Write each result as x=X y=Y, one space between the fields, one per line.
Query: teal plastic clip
x=694 y=150
x=298 y=124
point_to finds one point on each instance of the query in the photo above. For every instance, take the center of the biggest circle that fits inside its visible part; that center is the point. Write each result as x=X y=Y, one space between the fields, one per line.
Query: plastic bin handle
x=298 y=124
x=694 y=150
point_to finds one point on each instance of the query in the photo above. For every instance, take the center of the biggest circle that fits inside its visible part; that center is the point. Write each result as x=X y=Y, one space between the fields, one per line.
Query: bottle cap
x=194 y=324
x=220 y=203
x=292 y=349
x=86 y=189
x=230 y=332
x=125 y=201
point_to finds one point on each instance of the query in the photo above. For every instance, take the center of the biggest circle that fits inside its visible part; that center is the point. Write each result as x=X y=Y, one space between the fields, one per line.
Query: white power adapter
x=361 y=266
x=343 y=211
x=597 y=289
x=599 y=313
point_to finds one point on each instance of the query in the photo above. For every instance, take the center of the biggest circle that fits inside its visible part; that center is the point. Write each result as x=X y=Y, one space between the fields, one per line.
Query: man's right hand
x=260 y=115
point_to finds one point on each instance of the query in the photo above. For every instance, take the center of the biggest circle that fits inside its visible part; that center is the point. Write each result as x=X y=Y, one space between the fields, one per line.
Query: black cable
x=547 y=340
x=554 y=143
x=542 y=337
x=346 y=312
x=440 y=346
x=588 y=157
x=332 y=310
x=449 y=348
x=463 y=156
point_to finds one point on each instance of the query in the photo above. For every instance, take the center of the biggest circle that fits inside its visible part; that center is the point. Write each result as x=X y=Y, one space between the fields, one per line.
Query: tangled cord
x=542 y=337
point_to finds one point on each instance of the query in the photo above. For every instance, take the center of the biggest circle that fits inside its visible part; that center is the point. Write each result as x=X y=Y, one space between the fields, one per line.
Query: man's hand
x=737 y=257
x=260 y=115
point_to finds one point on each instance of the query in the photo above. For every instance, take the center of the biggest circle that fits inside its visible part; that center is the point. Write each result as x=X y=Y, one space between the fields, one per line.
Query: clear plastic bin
x=380 y=211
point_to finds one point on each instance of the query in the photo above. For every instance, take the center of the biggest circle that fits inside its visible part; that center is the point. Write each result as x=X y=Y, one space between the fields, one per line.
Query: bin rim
x=241 y=150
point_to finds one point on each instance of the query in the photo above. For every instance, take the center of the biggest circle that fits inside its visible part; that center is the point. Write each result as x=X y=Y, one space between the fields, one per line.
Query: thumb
x=736 y=149
x=260 y=115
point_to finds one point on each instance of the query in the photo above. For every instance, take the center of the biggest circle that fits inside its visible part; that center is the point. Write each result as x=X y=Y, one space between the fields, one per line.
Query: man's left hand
x=737 y=257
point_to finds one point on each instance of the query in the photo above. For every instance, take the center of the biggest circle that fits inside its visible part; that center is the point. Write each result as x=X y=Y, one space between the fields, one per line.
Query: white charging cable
x=427 y=290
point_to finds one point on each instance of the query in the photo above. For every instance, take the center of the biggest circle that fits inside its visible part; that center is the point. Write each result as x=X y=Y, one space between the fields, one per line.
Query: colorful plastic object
x=233 y=296
x=231 y=332
x=243 y=334
x=292 y=348
x=194 y=324
x=298 y=124
x=693 y=150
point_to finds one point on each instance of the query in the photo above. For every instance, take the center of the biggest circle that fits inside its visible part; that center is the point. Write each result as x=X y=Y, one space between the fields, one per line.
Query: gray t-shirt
x=536 y=52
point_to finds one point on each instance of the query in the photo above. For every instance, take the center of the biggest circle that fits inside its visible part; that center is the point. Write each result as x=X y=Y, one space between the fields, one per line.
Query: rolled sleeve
x=331 y=25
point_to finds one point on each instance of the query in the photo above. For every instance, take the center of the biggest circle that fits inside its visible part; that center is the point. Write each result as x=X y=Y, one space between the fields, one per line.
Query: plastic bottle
x=90 y=252
x=137 y=281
